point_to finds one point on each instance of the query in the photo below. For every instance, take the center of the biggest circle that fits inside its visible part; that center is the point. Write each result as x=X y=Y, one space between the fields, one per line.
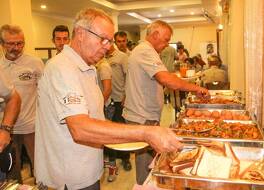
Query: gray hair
x=11 y=29
x=156 y=26
x=86 y=17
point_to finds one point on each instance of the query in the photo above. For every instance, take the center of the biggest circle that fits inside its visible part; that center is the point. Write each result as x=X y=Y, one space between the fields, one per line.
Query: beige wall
x=191 y=36
x=5 y=12
x=236 y=46
x=18 y=12
x=43 y=27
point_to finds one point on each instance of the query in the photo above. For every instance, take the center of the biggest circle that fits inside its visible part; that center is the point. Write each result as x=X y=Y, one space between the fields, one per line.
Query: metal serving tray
x=192 y=138
x=225 y=93
x=233 y=112
x=189 y=103
x=175 y=181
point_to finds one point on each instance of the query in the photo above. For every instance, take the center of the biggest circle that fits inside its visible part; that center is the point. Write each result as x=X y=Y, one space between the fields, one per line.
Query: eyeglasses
x=13 y=44
x=104 y=41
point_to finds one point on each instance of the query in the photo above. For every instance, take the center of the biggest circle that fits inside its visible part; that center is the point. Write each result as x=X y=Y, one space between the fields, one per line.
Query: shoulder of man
x=32 y=59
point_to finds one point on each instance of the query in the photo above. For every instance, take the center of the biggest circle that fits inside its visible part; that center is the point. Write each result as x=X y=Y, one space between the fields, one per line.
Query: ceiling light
x=43 y=6
x=159 y=15
x=133 y=14
x=172 y=11
x=192 y=13
x=220 y=26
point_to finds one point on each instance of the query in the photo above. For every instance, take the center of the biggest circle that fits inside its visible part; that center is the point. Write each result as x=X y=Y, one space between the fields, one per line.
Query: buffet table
x=223 y=150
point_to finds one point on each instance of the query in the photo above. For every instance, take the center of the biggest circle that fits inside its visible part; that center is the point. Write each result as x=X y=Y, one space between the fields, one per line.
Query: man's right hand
x=4 y=139
x=162 y=139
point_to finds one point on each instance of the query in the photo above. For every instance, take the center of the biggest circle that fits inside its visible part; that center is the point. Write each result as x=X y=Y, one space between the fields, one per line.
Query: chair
x=217 y=85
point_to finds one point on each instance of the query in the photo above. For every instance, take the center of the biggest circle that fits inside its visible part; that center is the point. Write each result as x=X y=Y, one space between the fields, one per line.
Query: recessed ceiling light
x=172 y=11
x=133 y=14
x=159 y=15
x=43 y=6
x=192 y=13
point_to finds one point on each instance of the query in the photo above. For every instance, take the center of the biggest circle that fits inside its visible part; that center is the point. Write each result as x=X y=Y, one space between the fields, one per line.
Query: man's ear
x=79 y=33
x=156 y=34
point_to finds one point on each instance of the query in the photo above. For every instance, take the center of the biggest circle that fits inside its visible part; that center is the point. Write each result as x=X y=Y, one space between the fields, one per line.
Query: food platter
x=248 y=156
x=216 y=102
x=240 y=132
x=222 y=114
x=225 y=93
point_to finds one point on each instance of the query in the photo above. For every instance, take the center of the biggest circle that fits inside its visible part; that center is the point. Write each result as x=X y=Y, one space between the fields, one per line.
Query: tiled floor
x=125 y=180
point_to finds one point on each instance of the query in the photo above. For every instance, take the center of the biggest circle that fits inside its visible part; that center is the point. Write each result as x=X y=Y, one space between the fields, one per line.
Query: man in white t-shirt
x=146 y=76
x=24 y=72
x=70 y=125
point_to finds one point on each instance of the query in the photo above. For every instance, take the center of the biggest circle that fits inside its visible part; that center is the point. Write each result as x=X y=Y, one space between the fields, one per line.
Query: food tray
x=191 y=102
x=223 y=114
x=209 y=136
x=175 y=181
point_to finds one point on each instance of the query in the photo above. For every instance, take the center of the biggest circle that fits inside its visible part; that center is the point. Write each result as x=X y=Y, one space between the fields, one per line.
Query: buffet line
x=223 y=146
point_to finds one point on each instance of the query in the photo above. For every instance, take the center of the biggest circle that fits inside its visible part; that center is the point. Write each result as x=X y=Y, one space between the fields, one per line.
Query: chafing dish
x=225 y=93
x=232 y=102
x=169 y=180
x=215 y=135
x=223 y=114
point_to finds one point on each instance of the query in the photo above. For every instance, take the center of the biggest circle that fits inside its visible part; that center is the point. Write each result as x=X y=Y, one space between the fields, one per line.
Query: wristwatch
x=7 y=128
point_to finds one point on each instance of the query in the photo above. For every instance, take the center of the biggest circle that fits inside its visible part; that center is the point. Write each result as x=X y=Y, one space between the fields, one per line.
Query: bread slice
x=215 y=147
x=164 y=166
x=184 y=157
x=215 y=166
x=254 y=172
x=234 y=173
x=244 y=166
x=198 y=159
x=179 y=167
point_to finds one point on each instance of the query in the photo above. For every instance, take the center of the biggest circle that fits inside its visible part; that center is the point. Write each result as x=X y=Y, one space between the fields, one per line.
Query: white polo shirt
x=68 y=87
x=144 y=95
x=24 y=73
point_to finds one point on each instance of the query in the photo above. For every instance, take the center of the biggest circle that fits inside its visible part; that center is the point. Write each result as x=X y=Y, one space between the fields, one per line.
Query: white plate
x=1 y=100
x=127 y=146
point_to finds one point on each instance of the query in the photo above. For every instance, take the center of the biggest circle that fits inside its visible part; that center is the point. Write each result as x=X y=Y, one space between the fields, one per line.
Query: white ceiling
x=146 y=8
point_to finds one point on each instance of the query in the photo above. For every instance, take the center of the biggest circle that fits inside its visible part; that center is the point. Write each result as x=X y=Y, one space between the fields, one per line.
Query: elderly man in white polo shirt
x=24 y=71
x=11 y=111
x=146 y=77
x=70 y=126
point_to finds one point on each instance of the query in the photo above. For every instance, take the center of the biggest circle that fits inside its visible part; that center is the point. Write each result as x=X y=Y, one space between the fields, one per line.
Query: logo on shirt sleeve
x=73 y=98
